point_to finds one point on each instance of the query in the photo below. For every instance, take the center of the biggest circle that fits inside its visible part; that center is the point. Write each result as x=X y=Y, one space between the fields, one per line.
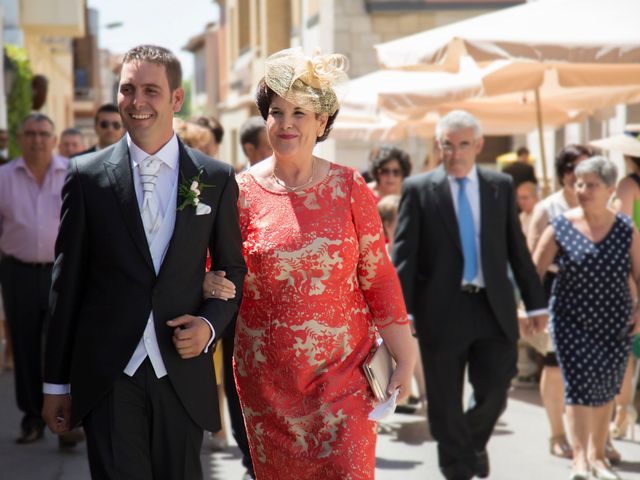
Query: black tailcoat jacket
x=104 y=285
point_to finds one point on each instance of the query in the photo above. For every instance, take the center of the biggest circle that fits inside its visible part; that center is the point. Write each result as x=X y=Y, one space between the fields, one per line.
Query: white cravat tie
x=149 y=168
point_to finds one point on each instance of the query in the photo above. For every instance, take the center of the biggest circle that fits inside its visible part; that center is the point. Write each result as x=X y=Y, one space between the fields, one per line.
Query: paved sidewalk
x=405 y=451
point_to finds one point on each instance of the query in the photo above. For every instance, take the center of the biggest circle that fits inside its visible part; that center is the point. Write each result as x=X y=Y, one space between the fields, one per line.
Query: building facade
x=254 y=29
x=48 y=29
x=251 y=30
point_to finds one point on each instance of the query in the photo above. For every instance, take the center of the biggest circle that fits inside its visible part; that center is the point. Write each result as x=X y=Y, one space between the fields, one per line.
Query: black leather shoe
x=456 y=472
x=482 y=464
x=30 y=435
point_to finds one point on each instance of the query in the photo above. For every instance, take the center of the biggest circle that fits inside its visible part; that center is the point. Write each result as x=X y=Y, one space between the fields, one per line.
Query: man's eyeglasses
x=104 y=124
x=31 y=134
x=463 y=148
x=396 y=172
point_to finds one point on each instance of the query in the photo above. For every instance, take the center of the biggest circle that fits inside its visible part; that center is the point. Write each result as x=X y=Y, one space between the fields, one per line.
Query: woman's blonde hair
x=192 y=134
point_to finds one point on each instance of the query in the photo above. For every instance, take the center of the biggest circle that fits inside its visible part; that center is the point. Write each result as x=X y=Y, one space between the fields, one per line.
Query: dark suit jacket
x=428 y=255
x=104 y=284
x=92 y=149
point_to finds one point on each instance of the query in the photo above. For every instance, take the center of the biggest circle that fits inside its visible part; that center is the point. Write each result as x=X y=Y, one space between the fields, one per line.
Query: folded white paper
x=384 y=410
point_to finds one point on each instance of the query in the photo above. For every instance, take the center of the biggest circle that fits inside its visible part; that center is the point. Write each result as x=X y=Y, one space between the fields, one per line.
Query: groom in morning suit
x=130 y=334
x=457 y=233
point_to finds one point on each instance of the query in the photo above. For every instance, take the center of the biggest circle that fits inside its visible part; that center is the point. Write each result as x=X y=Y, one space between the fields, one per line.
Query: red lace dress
x=319 y=284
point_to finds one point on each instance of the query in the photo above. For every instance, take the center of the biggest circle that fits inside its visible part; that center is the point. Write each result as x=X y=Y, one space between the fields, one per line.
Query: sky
x=169 y=23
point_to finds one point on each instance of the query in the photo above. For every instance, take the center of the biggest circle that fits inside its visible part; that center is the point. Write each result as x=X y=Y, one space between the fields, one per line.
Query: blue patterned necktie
x=467 y=232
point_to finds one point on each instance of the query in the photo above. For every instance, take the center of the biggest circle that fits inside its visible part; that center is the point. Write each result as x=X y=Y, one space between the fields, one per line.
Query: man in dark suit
x=108 y=127
x=521 y=170
x=130 y=334
x=71 y=143
x=457 y=233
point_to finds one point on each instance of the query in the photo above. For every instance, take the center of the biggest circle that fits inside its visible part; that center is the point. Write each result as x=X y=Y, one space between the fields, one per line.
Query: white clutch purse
x=378 y=367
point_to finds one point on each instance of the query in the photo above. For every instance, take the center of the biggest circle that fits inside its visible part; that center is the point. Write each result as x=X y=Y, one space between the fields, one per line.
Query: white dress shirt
x=165 y=193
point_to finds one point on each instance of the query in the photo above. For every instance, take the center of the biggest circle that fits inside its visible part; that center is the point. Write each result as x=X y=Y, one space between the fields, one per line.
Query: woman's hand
x=401 y=378
x=524 y=324
x=404 y=349
x=215 y=285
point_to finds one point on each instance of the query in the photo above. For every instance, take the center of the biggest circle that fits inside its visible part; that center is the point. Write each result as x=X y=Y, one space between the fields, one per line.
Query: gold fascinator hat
x=308 y=82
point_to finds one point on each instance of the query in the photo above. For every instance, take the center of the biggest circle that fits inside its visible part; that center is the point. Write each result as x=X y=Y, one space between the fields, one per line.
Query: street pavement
x=405 y=450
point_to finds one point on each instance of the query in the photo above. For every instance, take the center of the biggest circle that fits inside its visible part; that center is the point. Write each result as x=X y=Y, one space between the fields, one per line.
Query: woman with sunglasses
x=389 y=167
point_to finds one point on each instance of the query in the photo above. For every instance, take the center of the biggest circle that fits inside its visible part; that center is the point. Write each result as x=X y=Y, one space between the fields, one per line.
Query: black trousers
x=25 y=292
x=141 y=431
x=235 y=410
x=476 y=342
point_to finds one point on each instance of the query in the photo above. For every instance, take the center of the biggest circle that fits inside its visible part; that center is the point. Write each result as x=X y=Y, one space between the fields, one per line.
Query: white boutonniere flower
x=190 y=191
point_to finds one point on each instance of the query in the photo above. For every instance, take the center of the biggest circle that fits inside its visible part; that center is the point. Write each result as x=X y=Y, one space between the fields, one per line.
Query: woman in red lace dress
x=320 y=286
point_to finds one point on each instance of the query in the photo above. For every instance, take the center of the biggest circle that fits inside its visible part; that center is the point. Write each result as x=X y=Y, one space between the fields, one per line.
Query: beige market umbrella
x=520 y=111
x=392 y=105
x=578 y=37
x=586 y=43
x=381 y=127
x=361 y=116
x=627 y=143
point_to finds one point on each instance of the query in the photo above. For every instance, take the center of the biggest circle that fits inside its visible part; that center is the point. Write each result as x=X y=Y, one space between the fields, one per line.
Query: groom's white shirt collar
x=169 y=153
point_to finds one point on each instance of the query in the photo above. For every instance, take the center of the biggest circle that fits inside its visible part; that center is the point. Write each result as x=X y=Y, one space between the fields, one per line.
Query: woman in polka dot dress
x=592 y=316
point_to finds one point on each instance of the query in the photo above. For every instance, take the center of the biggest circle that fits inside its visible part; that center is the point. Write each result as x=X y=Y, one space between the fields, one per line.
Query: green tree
x=19 y=99
x=185 y=111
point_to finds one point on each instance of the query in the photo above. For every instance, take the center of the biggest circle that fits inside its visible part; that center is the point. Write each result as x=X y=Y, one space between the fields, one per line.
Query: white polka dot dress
x=590 y=311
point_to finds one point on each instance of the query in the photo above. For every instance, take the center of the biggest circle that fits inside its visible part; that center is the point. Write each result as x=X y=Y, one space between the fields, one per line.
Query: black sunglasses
x=396 y=172
x=106 y=124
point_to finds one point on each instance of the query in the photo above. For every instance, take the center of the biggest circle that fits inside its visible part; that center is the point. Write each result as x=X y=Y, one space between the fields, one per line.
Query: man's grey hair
x=72 y=132
x=250 y=130
x=36 y=117
x=457 y=120
x=600 y=166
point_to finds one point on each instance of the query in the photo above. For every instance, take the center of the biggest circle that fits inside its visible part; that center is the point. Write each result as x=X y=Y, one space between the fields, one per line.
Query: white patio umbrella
x=587 y=43
x=578 y=37
x=378 y=127
x=558 y=104
x=392 y=105
x=361 y=117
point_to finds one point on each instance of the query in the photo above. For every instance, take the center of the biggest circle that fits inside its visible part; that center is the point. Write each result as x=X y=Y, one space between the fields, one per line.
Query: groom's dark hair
x=159 y=56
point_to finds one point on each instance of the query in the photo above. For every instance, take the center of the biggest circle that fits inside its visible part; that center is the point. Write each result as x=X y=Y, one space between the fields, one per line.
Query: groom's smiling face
x=147 y=104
